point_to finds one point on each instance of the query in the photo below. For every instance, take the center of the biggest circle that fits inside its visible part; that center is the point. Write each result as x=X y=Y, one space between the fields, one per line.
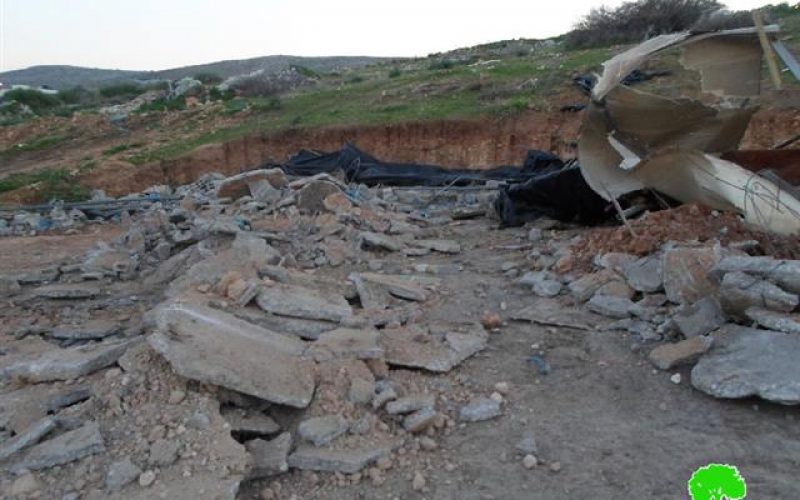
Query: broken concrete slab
x=785 y=273
x=308 y=329
x=615 y=261
x=269 y=458
x=787 y=323
x=346 y=343
x=748 y=362
x=254 y=182
x=216 y=348
x=349 y=461
x=550 y=312
x=319 y=283
x=66 y=364
x=376 y=290
x=479 y=409
x=299 y=302
x=644 y=275
x=250 y=422
x=91 y=330
x=29 y=437
x=610 y=306
x=67 y=291
x=668 y=356
x=434 y=351
x=685 y=274
x=700 y=318
x=375 y=241
x=322 y=430
x=70 y=446
x=441 y=246
x=583 y=288
x=739 y=292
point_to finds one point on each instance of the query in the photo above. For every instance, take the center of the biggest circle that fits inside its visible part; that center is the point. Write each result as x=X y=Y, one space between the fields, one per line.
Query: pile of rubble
x=231 y=338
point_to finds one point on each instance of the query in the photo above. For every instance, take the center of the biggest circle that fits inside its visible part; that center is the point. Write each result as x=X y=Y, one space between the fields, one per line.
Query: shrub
x=215 y=94
x=208 y=78
x=639 y=20
x=162 y=104
x=306 y=72
x=52 y=184
x=123 y=90
x=395 y=72
x=355 y=79
x=39 y=102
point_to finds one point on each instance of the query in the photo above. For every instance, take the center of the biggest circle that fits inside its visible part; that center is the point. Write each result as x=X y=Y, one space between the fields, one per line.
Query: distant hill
x=64 y=77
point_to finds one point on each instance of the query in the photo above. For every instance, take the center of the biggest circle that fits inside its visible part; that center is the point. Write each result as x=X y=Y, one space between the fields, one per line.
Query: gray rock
x=617 y=289
x=347 y=461
x=9 y=286
x=322 y=430
x=383 y=397
x=250 y=422
x=644 y=330
x=420 y=420
x=68 y=398
x=787 y=323
x=527 y=445
x=269 y=458
x=361 y=391
x=311 y=198
x=376 y=290
x=583 y=288
x=67 y=291
x=91 y=330
x=438 y=351
x=750 y=362
x=644 y=275
x=479 y=409
x=163 y=452
x=299 y=302
x=786 y=273
x=121 y=473
x=70 y=446
x=547 y=288
x=685 y=274
x=535 y=235
x=610 y=306
x=700 y=318
x=411 y=404
x=28 y=437
x=740 y=291
x=375 y=241
x=67 y=364
x=346 y=343
x=668 y=356
x=262 y=185
x=441 y=246
x=213 y=347
x=615 y=261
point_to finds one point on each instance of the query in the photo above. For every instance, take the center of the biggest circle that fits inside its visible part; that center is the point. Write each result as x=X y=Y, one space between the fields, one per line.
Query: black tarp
x=362 y=168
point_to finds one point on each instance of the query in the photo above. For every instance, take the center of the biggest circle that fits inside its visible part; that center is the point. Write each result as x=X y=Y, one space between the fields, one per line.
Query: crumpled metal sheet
x=632 y=139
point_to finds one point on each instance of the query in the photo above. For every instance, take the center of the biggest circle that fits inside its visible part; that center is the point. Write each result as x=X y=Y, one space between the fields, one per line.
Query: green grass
x=120 y=148
x=51 y=184
x=38 y=144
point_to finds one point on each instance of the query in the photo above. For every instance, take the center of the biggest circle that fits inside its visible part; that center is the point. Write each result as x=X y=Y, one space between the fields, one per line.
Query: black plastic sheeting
x=362 y=168
x=543 y=186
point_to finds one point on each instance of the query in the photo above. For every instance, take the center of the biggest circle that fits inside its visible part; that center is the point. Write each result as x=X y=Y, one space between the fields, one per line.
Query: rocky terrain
x=259 y=336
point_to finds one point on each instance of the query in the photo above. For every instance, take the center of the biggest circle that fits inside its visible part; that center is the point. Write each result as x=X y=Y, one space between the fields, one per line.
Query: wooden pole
x=772 y=62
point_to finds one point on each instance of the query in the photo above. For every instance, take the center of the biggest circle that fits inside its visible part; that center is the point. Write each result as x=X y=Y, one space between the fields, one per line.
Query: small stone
x=535 y=235
x=700 y=318
x=555 y=467
x=361 y=391
x=668 y=356
x=479 y=409
x=121 y=473
x=527 y=444
x=675 y=379
x=147 y=478
x=613 y=307
x=529 y=462
x=24 y=485
x=427 y=444
x=491 y=321
x=163 y=452
x=418 y=483
x=322 y=430
x=503 y=388
x=176 y=396
x=410 y=404
x=496 y=396
x=420 y=420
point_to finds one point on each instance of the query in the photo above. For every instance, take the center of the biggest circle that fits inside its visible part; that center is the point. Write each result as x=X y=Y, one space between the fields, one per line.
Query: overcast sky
x=159 y=34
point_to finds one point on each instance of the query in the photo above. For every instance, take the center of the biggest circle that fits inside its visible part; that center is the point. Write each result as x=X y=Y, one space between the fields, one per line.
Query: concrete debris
x=345 y=343
x=421 y=420
x=550 y=312
x=410 y=404
x=586 y=286
x=262 y=185
x=436 y=351
x=740 y=291
x=785 y=273
x=67 y=291
x=346 y=461
x=441 y=246
x=269 y=458
x=250 y=422
x=91 y=330
x=70 y=446
x=480 y=409
x=644 y=275
x=668 y=356
x=322 y=430
x=299 y=302
x=29 y=437
x=311 y=198
x=774 y=321
x=9 y=286
x=610 y=306
x=748 y=362
x=65 y=364
x=245 y=357
x=121 y=474
x=686 y=274
x=375 y=241
x=700 y=318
